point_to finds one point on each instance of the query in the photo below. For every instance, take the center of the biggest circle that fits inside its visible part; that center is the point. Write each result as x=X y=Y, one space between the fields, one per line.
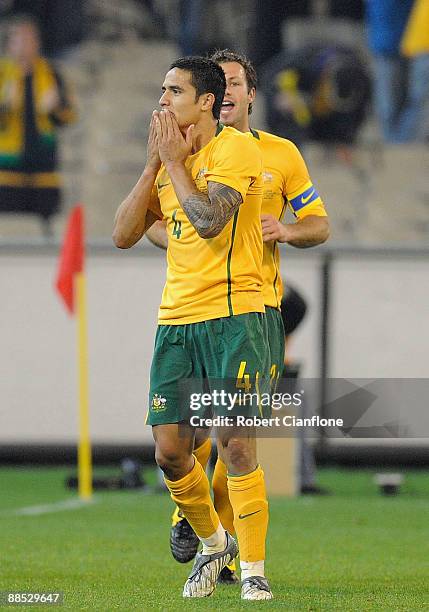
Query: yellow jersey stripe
x=228 y=264
x=35 y=179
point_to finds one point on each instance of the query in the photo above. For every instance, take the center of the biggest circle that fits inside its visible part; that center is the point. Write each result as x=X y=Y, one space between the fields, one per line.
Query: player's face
x=179 y=97
x=235 y=106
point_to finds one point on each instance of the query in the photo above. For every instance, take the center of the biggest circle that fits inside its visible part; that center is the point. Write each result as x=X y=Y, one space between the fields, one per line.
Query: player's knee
x=201 y=435
x=240 y=455
x=171 y=460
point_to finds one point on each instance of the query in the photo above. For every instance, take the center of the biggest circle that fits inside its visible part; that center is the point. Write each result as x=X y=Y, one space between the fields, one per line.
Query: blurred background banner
x=355 y=328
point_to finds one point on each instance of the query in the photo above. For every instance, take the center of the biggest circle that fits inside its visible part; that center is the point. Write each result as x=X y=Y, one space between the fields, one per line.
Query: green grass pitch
x=353 y=550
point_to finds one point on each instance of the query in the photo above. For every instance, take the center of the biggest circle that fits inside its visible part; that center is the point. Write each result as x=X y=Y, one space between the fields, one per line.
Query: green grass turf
x=353 y=550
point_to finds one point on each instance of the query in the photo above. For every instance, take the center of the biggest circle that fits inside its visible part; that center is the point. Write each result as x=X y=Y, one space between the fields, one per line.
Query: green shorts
x=276 y=343
x=229 y=353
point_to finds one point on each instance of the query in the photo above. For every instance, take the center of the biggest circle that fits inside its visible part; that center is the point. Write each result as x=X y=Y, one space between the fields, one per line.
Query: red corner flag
x=71 y=285
x=71 y=258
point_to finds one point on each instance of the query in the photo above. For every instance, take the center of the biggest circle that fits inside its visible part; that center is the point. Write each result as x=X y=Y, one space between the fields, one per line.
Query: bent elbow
x=119 y=241
x=210 y=233
x=326 y=234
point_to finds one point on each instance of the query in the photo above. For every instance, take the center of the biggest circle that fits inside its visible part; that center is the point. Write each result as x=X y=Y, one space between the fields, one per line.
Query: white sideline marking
x=61 y=506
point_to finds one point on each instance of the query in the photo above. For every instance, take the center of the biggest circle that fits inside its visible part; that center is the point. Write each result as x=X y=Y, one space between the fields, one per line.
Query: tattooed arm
x=210 y=213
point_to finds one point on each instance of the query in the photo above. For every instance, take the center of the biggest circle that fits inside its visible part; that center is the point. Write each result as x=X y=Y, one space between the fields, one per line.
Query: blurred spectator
x=158 y=25
x=351 y=9
x=198 y=34
x=386 y=21
x=61 y=22
x=33 y=104
x=318 y=92
x=266 y=31
x=265 y=35
x=191 y=31
x=415 y=46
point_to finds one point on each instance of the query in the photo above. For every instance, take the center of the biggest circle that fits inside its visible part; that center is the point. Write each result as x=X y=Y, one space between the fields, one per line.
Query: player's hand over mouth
x=173 y=147
x=153 y=161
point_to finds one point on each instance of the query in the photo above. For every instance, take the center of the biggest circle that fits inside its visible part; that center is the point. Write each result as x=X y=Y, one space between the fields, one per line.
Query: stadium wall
x=376 y=321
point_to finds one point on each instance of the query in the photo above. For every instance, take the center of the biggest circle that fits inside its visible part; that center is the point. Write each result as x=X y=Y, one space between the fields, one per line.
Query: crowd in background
x=319 y=91
x=34 y=103
x=398 y=35
x=322 y=89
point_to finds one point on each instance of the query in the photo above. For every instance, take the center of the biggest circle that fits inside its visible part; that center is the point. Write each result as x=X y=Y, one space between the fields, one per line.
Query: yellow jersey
x=286 y=182
x=220 y=276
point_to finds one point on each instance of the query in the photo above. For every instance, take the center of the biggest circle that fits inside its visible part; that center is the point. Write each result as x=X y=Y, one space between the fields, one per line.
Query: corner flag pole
x=71 y=284
x=84 y=446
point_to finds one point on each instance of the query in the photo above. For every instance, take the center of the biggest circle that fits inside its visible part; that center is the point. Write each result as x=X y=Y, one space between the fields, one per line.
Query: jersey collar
x=219 y=128
x=255 y=134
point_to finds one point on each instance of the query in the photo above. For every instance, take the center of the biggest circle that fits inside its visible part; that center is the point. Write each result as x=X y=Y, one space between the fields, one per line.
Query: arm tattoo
x=209 y=213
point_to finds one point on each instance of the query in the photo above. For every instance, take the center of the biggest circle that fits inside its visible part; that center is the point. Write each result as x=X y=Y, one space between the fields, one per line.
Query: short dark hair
x=223 y=56
x=206 y=76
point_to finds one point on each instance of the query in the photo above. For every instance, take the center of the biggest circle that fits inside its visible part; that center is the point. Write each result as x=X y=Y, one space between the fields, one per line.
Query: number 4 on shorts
x=243 y=380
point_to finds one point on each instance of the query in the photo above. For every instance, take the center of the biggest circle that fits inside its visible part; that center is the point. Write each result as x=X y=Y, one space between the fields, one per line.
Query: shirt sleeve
x=237 y=162
x=302 y=196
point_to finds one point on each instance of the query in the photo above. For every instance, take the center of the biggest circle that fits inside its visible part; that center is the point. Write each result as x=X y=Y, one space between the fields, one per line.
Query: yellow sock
x=249 y=501
x=203 y=452
x=221 y=496
x=192 y=495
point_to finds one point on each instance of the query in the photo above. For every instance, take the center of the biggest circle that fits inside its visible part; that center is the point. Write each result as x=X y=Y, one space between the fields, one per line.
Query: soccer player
x=205 y=180
x=286 y=182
